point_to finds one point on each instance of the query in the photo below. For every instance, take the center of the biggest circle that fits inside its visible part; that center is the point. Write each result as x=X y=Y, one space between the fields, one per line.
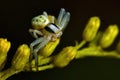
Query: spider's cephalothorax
x=48 y=28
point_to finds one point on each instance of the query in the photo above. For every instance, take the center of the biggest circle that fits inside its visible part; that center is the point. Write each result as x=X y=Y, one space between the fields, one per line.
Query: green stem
x=41 y=61
x=80 y=44
x=96 y=51
x=7 y=73
x=50 y=66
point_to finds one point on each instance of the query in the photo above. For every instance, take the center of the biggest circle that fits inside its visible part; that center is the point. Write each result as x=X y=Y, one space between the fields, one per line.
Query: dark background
x=15 y=20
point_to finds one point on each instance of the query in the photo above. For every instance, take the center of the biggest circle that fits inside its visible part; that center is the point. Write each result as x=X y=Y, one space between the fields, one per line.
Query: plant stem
x=7 y=73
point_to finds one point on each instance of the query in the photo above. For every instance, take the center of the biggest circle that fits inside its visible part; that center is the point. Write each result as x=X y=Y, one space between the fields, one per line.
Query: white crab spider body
x=49 y=30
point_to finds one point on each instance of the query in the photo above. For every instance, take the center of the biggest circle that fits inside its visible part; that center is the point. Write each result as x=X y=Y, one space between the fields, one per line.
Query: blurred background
x=15 y=20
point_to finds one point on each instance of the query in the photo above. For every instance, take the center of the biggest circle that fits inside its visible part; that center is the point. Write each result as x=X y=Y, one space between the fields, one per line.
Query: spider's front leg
x=35 y=33
x=63 y=19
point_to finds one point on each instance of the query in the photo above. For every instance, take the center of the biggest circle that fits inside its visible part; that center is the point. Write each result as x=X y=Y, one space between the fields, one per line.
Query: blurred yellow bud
x=109 y=36
x=49 y=48
x=21 y=57
x=65 y=56
x=91 y=28
x=4 y=48
x=50 y=17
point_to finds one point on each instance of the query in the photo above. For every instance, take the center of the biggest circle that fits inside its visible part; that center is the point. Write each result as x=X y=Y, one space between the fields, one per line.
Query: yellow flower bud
x=50 y=18
x=4 y=48
x=49 y=48
x=91 y=28
x=109 y=36
x=65 y=56
x=21 y=57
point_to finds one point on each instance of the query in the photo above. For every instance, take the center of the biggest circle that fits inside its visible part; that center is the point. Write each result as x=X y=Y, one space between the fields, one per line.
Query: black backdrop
x=15 y=20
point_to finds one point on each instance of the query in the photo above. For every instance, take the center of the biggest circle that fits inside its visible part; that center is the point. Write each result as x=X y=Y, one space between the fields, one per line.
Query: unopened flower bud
x=91 y=28
x=21 y=57
x=49 y=48
x=4 y=48
x=109 y=36
x=65 y=56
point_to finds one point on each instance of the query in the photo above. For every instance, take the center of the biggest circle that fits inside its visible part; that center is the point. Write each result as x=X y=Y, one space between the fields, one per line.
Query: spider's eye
x=42 y=19
x=37 y=20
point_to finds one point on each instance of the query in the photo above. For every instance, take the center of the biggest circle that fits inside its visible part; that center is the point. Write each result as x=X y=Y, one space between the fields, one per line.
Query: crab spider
x=48 y=30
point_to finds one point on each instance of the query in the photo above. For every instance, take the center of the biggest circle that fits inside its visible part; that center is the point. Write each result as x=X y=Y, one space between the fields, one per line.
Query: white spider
x=48 y=30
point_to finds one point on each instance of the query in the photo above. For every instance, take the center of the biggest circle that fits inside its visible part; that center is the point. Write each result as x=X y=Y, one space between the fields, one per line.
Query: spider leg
x=34 y=43
x=45 y=14
x=65 y=21
x=41 y=45
x=60 y=16
x=35 y=33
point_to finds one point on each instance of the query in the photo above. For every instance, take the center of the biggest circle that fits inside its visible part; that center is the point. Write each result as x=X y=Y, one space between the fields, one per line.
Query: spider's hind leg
x=33 y=44
x=37 y=48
